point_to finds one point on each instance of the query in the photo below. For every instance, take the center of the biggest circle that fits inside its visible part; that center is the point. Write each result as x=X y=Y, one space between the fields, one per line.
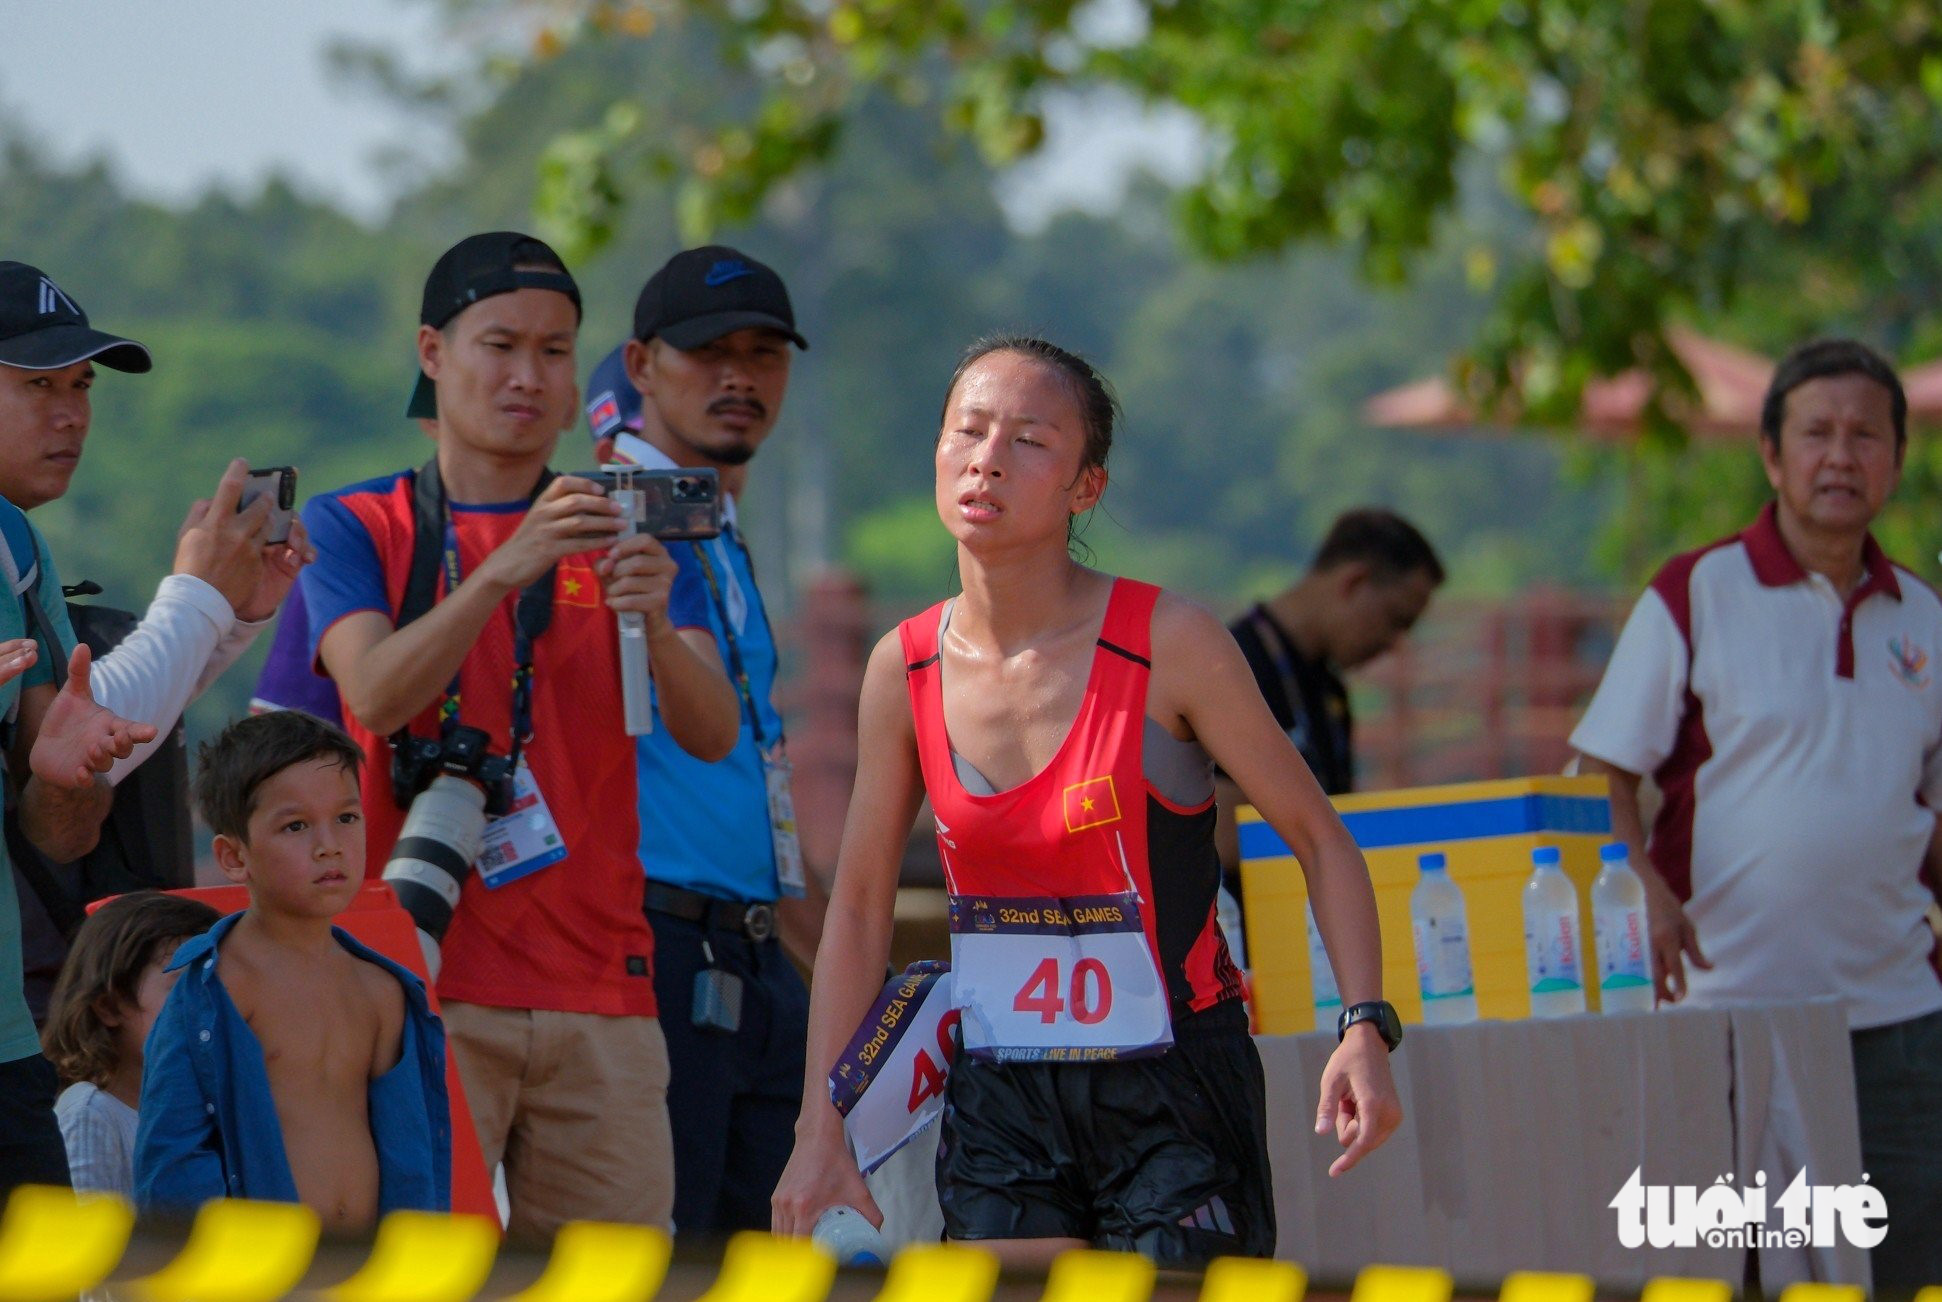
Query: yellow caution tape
x=238 y=1251
x=762 y=1267
x=1673 y=1289
x=1084 y=1275
x=1253 y=1279
x=424 y=1257
x=1536 y=1286
x=941 y=1272
x=596 y=1262
x=1401 y=1284
x=55 y=1244
x=1832 y=1293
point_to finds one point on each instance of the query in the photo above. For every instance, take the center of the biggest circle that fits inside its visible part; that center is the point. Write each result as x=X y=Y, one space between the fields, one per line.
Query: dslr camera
x=449 y=786
x=672 y=505
x=463 y=752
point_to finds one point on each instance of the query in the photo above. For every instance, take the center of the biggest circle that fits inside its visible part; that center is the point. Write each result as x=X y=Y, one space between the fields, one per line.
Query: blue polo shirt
x=705 y=827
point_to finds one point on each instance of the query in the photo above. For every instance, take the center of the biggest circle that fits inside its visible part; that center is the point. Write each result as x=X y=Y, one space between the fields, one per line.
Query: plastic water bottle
x=1321 y=976
x=1551 y=931
x=1619 y=921
x=847 y=1235
x=1442 y=935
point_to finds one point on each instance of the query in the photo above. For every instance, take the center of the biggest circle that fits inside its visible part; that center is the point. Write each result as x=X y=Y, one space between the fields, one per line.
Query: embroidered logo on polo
x=1909 y=662
x=1092 y=803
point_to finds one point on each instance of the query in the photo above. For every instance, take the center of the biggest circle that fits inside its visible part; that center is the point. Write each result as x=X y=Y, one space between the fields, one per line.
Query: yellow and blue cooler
x=1487 y=830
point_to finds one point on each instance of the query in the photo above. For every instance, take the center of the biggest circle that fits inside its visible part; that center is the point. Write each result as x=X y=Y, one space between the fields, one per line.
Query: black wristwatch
x=1381 y=1012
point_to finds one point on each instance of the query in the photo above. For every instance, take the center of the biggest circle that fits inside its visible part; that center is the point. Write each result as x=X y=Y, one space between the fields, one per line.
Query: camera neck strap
x=435 y=550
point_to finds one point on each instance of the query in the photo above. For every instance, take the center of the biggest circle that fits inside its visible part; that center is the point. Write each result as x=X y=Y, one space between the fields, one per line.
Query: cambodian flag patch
x=603 y=414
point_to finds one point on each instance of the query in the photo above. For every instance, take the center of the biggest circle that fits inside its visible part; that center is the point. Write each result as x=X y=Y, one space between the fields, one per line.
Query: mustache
x=753 y=406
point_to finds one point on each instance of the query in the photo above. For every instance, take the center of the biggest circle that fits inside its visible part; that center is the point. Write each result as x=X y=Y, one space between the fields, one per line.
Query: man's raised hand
x=225 y=547
x=570 y=517
x=79 y=738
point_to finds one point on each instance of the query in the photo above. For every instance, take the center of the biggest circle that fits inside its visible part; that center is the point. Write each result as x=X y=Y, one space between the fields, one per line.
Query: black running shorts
x=1165 y=1156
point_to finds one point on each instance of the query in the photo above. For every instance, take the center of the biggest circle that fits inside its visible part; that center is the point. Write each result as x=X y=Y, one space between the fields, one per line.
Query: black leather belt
x=753 y=919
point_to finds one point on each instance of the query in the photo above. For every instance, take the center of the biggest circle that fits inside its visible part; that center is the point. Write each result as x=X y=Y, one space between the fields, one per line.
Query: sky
x=183 y=94
x=180 y=95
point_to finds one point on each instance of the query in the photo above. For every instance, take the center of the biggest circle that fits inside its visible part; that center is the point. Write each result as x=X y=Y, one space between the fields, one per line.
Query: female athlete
x=1062 y=723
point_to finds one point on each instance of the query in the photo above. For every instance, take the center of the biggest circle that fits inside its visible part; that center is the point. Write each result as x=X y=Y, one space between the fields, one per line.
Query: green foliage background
x=282 y=332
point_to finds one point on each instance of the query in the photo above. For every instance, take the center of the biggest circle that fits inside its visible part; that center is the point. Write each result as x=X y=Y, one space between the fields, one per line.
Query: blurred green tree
x=1668 y=156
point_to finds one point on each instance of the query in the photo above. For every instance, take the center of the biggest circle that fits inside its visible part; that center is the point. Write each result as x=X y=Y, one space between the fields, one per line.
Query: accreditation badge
x=777 y=773
x=522 y=841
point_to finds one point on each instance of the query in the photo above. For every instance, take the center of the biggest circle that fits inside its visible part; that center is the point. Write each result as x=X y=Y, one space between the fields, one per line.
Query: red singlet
x=1049 y=857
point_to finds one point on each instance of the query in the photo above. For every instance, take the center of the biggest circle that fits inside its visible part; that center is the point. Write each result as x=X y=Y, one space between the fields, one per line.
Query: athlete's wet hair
x=1098 y=408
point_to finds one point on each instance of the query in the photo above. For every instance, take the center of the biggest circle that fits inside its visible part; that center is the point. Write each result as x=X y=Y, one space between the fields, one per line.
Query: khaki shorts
x=576 y=1106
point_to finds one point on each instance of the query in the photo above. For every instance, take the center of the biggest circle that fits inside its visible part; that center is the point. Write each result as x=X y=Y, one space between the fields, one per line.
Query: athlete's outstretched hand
x=820 y=1175
x=1358 y=1096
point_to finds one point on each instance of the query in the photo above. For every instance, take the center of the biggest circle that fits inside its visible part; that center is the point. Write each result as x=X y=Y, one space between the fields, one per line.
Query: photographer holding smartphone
x=226 y=582
x=466 y=612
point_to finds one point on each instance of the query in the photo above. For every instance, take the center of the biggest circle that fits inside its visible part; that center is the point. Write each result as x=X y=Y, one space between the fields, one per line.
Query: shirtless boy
x=290 y=1062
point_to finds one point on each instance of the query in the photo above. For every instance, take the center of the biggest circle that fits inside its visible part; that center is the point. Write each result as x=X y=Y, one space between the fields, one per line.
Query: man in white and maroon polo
x=1781 y=686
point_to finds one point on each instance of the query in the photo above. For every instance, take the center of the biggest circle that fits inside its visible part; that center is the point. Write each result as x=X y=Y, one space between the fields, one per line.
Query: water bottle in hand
x=847 y=1235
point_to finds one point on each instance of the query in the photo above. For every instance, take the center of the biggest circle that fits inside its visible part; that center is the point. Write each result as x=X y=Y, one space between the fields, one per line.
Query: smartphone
x=671 y=505
x=279 y=484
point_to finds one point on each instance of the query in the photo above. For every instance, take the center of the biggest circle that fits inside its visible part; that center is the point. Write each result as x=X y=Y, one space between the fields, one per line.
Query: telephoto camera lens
x=434 y=854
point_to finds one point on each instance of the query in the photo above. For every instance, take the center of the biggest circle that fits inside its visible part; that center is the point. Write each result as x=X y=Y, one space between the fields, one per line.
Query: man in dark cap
x=63 y=742
x=479 y=593
x=701 y=383
x=225 y=585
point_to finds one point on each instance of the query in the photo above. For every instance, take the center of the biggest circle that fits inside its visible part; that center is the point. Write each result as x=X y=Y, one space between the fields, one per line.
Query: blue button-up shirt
x=209 y=1128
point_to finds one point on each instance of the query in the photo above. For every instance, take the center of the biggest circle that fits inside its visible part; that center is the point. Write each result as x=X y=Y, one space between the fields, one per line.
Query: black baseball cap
x=482 y=266
x=42 y=329
x=700 y=295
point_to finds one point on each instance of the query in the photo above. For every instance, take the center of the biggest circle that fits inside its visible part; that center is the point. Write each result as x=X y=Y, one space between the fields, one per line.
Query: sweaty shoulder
x=1182 y=626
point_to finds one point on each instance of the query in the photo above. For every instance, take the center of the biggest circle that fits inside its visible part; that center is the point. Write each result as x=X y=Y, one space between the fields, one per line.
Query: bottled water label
x=1551 y=948
x=1621 y=951
x=1442 y=958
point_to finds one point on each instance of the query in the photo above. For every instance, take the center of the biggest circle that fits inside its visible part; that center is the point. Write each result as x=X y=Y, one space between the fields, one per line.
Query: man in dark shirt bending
x=1368 y=585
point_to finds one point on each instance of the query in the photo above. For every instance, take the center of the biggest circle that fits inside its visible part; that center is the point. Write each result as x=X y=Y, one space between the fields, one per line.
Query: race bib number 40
x=889 y=1081
x=1059 y=980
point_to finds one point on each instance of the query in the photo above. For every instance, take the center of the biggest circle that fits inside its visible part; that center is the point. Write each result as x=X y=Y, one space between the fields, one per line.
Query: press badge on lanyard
x=520 y=843
x=1063 y=980
x=776 y=772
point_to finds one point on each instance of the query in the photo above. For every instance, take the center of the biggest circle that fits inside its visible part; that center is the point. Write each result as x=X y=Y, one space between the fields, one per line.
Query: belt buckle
x=758 y=921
